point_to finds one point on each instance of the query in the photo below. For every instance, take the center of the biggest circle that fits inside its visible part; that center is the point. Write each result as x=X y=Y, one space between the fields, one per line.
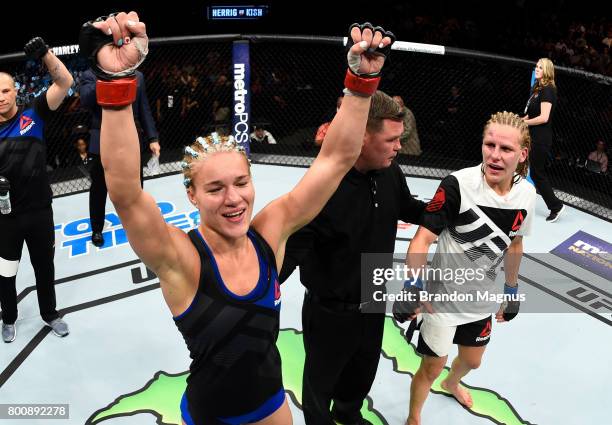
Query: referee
x=342 y=342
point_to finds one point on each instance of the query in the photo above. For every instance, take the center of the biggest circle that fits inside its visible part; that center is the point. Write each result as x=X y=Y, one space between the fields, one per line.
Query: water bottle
x=153 y=165
x=5 y=199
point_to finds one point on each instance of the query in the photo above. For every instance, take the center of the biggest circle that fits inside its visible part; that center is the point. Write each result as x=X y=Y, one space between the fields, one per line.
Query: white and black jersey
x=475 y=226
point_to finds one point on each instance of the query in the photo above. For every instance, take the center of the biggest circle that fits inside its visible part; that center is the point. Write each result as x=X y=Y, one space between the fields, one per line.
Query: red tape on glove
x=119 y=92
x=361 y=85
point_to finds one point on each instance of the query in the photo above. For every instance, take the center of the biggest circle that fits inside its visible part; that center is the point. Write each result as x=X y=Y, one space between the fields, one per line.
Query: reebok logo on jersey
x=277 y=293
x=516 y=225
x=518 y=220
x=437 y=201
x=25 y=124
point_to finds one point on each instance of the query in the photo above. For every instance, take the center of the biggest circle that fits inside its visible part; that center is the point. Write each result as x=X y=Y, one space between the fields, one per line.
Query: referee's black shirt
x=361 y=217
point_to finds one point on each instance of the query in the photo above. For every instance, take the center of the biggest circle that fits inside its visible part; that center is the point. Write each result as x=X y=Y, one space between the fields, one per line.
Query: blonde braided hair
x=513 y=120
x=205 y=146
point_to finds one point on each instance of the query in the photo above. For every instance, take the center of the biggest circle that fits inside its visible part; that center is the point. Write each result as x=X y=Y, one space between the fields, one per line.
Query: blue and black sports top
x=236 y=365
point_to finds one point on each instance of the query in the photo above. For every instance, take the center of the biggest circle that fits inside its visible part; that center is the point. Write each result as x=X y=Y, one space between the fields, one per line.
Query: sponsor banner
x=76 y=234
x=588 y=252
x=242 y=95
x=71 y=49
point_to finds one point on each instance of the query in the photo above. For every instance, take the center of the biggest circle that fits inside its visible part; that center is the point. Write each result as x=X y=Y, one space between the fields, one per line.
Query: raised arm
x=342 y=143
x=151 y=238
x=62 y=79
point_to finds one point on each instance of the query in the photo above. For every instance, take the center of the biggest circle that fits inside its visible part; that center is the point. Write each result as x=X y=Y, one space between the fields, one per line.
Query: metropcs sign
x=241 y=126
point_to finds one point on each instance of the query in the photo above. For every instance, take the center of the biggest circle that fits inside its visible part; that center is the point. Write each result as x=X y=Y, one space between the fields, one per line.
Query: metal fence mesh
x=294 y=85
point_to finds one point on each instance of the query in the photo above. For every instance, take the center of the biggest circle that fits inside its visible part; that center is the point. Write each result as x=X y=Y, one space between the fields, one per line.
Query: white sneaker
x=59 y=327
x=9 y=332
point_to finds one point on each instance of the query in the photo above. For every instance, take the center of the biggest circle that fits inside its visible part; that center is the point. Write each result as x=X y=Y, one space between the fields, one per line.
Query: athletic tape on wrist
x=414 y=282
x=512 y=290
x=365 y=86
x=118 y=92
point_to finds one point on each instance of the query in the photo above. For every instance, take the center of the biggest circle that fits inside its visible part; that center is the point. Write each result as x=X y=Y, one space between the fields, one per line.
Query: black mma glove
x=406 y=306
x=91 y=40
x=114 y=64
x=357 y=81
x=512 y=307
x=385 y=51
x=35 y=48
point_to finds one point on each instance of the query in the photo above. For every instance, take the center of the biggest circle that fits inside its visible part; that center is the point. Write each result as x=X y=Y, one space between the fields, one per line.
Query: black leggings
x=36 y=229
x=97 y=194
x=537 y=163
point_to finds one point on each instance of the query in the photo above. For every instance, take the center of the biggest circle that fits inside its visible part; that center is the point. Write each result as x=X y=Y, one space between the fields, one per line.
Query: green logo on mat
x=161 y=396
